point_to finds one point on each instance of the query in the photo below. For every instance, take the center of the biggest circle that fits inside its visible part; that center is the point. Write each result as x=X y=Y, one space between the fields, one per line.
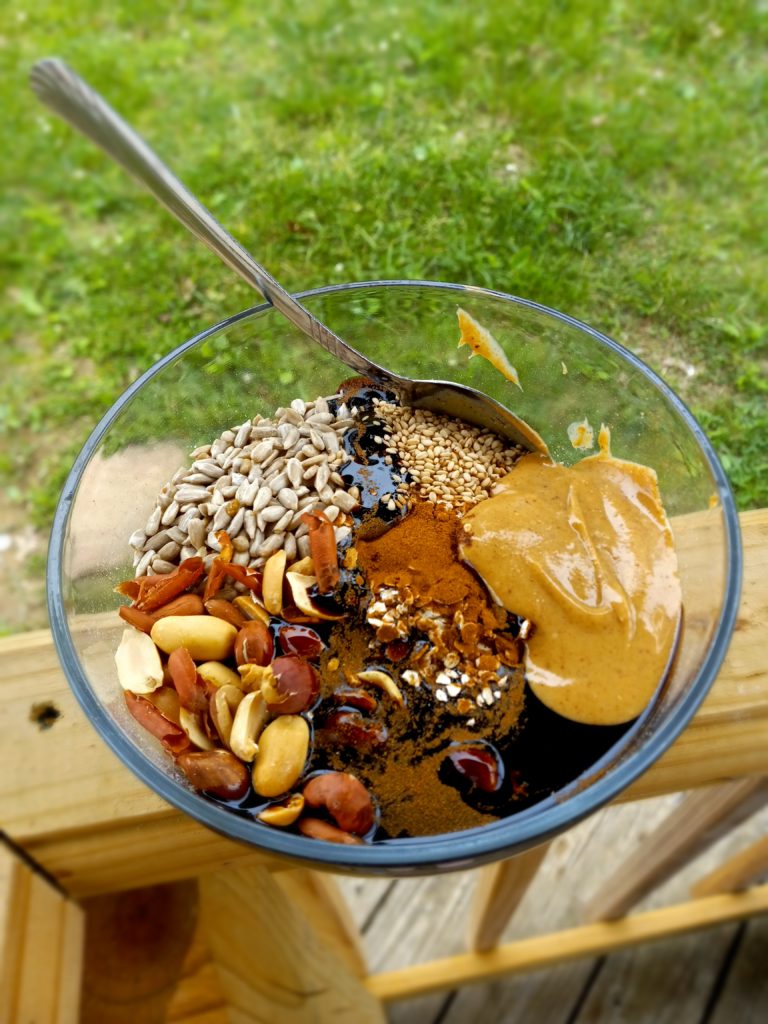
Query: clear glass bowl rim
x=452 y=849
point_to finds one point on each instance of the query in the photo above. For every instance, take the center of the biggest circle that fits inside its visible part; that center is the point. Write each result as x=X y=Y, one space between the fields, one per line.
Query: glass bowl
x=254 y=362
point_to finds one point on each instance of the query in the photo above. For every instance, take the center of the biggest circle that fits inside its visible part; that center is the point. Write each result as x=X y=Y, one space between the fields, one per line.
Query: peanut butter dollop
x=586 y=553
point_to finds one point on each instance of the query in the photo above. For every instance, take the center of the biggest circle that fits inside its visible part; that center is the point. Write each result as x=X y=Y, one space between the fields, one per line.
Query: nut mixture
x=254 y=481
x=305 y=641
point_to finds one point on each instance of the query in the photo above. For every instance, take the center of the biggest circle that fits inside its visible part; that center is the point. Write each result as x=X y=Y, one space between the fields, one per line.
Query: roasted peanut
x=284 y=814
x=344 y=797
x=139 y=668
x=250 y=719
x=301 y=640
x=251 y=609
x=225 y=610
x=183 y=673
x=205 y=637
x=316 y=828
x=216 y=674
x=170 y=734
x=282 y=755
x=166 y=700
x=222 y=708
x=272 y=585
x=254 y=644
x=215 y=771
x=294 y=686
x=192 y=726
x=187 y=604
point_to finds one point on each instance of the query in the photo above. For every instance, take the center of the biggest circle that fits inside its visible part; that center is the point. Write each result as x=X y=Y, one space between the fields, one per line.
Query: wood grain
x=322 y=902
x=271 y=964
x=546 y=950
x=500 y=888
x=41 y=947
x=738 y=872
x=698 y=822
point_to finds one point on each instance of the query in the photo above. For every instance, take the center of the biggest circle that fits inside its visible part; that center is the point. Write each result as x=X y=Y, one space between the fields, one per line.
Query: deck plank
x=422 y=919
x=744 y=996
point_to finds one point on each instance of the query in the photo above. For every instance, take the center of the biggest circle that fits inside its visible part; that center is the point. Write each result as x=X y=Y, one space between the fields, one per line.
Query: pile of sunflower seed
x=255 y=482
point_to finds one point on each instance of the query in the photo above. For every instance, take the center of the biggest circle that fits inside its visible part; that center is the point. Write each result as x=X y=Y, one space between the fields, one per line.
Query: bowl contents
x=365 y=622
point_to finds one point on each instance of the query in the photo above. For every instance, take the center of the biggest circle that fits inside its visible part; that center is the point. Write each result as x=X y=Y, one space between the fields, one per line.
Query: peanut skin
x=344 y=797
x=316 y=828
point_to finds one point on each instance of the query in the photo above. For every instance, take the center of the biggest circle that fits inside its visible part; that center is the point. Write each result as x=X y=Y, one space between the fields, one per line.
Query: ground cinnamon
x=419 y=558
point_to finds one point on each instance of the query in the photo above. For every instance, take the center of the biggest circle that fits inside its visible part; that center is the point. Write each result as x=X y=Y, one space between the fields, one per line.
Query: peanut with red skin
x=316 y=828
x=254 y=644
x=344 y=797
x=215 y=771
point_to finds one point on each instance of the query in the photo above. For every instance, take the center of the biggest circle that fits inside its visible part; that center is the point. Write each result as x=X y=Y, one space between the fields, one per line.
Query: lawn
x=604 y=158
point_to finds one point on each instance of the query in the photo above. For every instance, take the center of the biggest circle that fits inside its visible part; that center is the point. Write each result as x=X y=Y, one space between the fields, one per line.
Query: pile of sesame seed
x=451 y=463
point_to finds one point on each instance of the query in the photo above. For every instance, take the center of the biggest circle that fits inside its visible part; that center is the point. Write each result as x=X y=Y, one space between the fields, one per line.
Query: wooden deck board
x=744 y=996
x=671 y=982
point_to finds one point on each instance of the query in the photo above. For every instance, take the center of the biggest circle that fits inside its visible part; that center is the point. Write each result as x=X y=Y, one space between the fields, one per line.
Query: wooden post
x=697 y=822
x=41 y=947
x=270 y=963
x=321 y=901
x=500 y=889
x=738 y=872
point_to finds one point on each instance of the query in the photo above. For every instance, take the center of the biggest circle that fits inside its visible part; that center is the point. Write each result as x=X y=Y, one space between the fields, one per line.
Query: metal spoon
x=61 y=89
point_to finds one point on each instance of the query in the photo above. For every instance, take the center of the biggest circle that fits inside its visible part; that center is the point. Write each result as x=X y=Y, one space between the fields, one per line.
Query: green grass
x=604 y=158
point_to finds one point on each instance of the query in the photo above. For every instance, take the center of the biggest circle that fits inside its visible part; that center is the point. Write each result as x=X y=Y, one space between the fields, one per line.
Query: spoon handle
x=61 y=89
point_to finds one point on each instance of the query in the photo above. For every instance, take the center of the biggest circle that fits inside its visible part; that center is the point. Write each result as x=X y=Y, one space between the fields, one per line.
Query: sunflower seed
x=137 y=538
x=289 y=434
x=241 y=543
x=143 y=563
x=261 y=451
x=196 y=530
x=170 y=514
x=331 y=442
x=189 y=493
x=155 y=542
x=273 y=513
x=177 y=534
x=242 y=435
x=289 y=546
x=237 y=523
x=344 y=500
x=271 y=545
x=302 y=544
x=289 y=416
x=282 y=524
x=250 y=523
x=294 y=471
x=221 y=520
x=322 y=477
x=153 y=523
x=321 y=406
x=208 y=467
x=169 y=551
x=341 y=533
x=278 y=482
x=332 y=512
x=212 y=542
x=159 y=565
x=287 y=498
x=241 y=558
x=263 y=498
x=187 y=551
